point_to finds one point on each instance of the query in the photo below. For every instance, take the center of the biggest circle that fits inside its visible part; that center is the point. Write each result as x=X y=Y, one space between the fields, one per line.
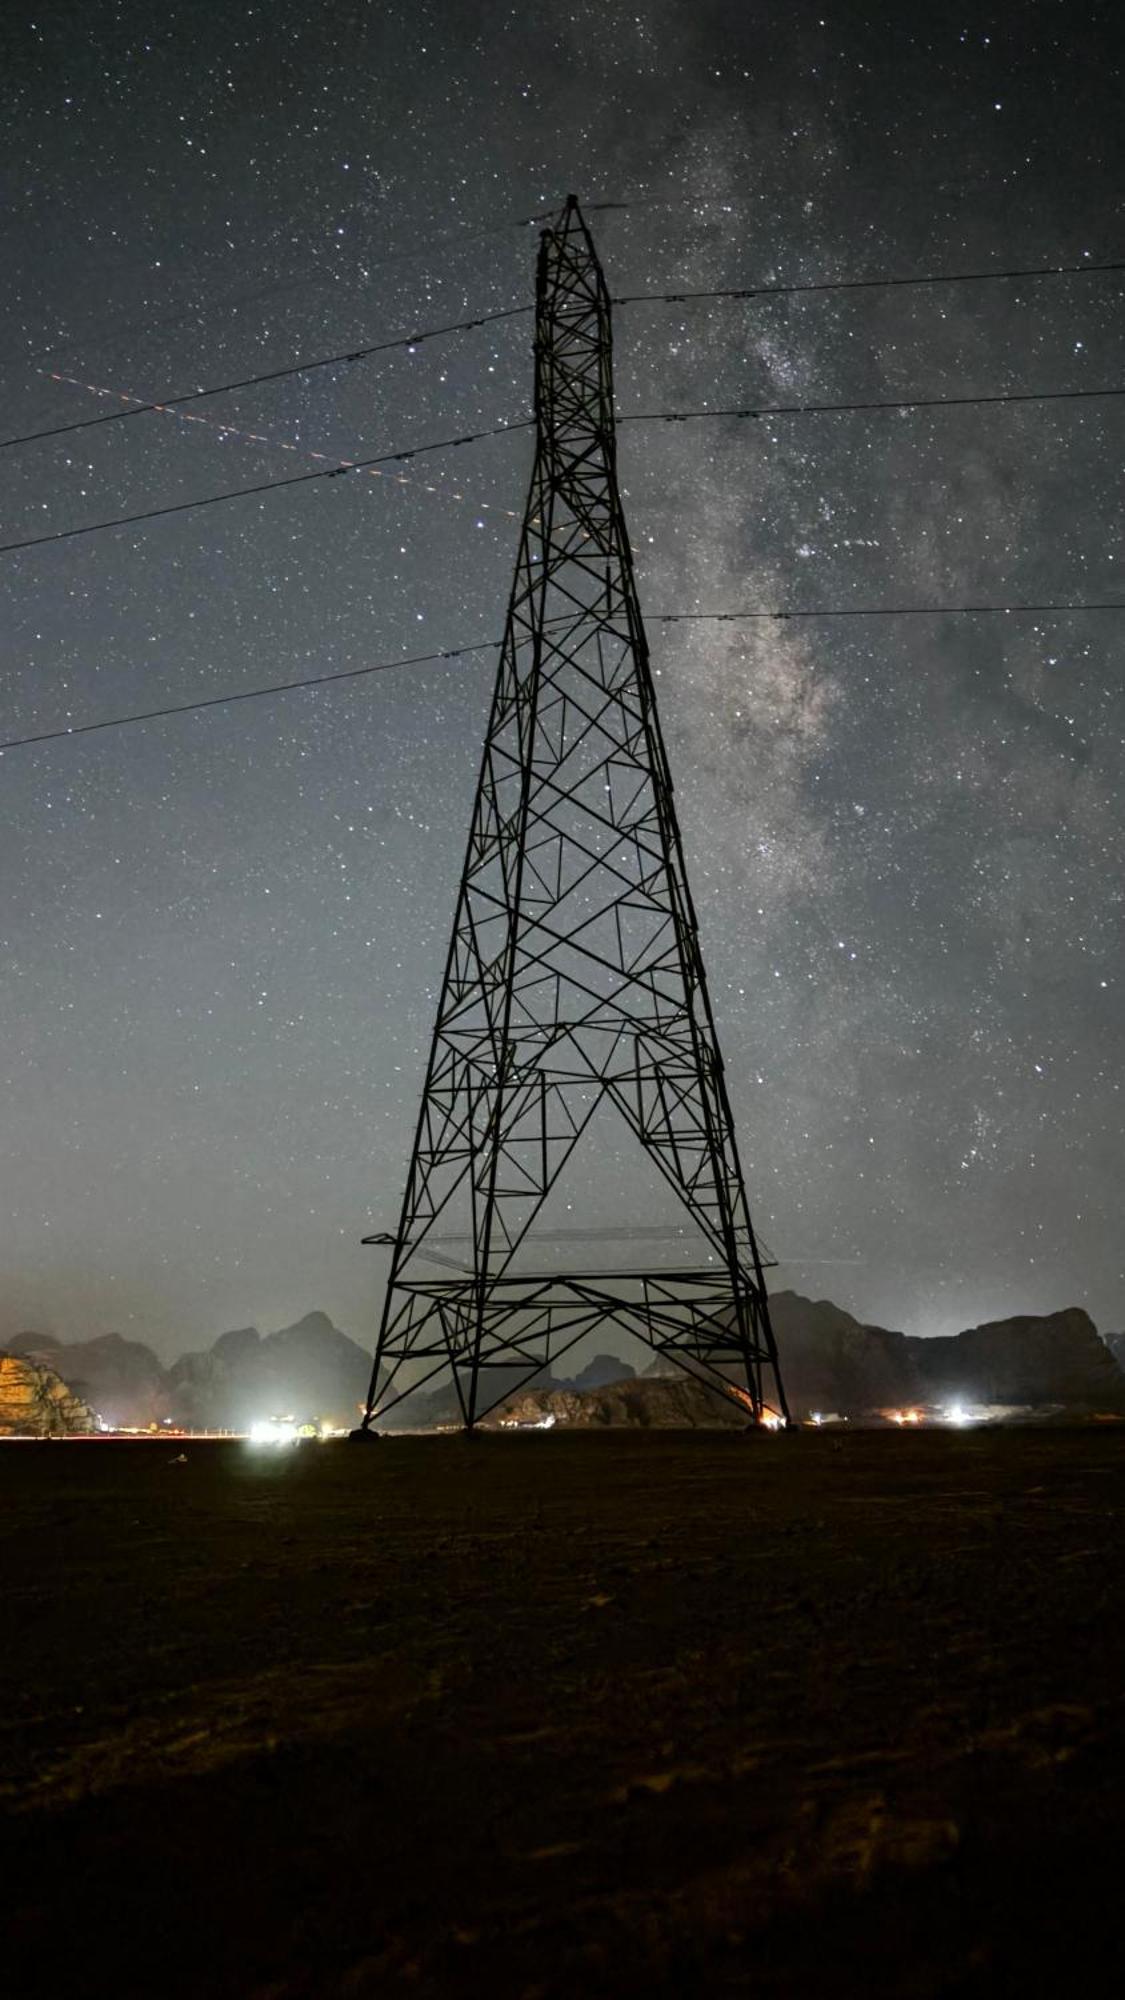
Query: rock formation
x=652 y=1403
x=308 y=1370
x=831 y=1362
x=439 y=1406
x=35 y=1402
x=1030 y=1362
x=598 y=1373
x=834 y=1364
x=121 y=1379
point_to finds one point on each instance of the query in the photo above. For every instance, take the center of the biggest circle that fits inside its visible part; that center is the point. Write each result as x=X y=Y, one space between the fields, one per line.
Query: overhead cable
x=264 y=486
x=491 y=645
x=863 y=284
x=248 y=694
x=528 y=423
x=895 y=403
x=879 y=611
x=408 y=341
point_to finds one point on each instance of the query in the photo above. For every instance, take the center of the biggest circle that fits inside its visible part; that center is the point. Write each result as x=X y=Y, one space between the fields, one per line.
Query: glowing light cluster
x=273 y=1430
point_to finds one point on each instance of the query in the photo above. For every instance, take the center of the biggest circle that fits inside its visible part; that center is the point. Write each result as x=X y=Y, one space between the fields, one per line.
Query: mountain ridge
x=831 y=1362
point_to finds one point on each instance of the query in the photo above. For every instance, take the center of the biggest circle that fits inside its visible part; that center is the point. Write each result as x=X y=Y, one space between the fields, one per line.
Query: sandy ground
x=565 y=1715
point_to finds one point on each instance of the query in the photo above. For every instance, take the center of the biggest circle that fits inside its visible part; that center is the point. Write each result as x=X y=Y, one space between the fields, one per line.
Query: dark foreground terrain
x=559 y=1715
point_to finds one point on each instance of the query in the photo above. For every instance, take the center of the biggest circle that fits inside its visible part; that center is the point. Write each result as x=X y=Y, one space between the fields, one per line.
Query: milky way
x=222 y=933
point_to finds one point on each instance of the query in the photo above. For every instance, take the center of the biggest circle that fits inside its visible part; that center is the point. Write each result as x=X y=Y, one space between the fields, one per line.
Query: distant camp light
x=273 y=1430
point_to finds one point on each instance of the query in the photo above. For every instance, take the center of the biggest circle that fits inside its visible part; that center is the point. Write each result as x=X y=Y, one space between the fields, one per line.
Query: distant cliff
x=1059 y=1358
x=35 y=1402
x=121 y=1379
x=665 y=1402
x=833 y=1364
x=439 y=1406
x=831 y=1361
x=308 y=1370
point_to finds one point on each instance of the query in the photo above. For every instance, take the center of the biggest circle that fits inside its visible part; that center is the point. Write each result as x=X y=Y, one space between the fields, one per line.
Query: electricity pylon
x=574 y=973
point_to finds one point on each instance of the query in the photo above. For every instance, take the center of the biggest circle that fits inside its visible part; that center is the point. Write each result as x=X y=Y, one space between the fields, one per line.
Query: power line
x=410 y=340
x=405 y=341
x=490 y=645
x=248 y=694
x=527 y=423
x=896 y=403
x=878 y=611
x=264 y=486
x=863 y=284
x=225 y=430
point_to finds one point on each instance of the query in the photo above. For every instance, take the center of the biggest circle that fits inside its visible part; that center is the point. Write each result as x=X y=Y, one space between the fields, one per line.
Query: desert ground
x=561 y=1715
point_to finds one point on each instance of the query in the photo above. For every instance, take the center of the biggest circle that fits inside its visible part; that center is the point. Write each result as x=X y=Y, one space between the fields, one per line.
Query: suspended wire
x=228 y=430
x=492 y=645
x=528 y=423
x=248 y=694
x=895 y=403
x=879 y=611
x=409 y=341
x=273 y=443
x=263 y=486
x=863 y=284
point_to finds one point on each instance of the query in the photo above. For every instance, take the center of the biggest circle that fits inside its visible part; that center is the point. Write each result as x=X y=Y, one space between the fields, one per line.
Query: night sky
x=222 y=933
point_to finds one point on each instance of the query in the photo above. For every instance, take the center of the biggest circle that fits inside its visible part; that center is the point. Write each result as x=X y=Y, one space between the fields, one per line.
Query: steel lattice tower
x=574 y=972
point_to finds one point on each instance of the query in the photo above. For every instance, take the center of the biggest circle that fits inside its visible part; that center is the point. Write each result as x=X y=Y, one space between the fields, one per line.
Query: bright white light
x=957 y=1414
x=273 y=1430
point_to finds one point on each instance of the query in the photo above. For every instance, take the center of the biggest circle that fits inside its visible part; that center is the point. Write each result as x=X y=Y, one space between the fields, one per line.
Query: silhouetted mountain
x=603 y=1369
x=1058 y=1358
x=832 y=1363
x=830 y=1360
x=309 y=1370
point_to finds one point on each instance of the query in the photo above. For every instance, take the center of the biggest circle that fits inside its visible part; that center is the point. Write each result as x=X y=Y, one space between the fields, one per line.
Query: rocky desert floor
x=562 y=1715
